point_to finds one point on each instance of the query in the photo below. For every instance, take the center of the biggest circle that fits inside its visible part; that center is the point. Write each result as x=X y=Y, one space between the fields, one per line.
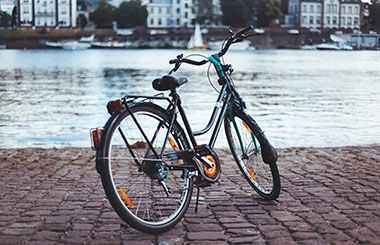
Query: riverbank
x=329 y=196
x=35 y=39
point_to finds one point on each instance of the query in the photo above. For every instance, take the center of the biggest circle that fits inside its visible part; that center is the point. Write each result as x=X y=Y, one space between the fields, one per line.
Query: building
x=7 y=6
x=47 y=13
x=325 y=14
x=171 y=13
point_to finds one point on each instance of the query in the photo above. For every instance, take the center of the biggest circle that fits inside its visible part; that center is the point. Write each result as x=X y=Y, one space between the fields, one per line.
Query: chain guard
x=200 y=153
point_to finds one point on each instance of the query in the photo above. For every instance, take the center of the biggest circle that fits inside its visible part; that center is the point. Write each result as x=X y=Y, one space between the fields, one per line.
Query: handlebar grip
x=248 y=28
x=174 y=61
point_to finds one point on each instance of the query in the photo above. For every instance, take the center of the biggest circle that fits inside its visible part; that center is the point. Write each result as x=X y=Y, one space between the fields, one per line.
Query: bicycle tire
x=263 y=177
x=122 y=180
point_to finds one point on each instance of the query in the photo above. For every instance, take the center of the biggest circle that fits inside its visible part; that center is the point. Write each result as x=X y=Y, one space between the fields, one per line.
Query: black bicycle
x=149 y=162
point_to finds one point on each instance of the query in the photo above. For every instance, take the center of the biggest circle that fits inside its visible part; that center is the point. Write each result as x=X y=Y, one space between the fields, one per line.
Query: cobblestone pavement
x=329 y=196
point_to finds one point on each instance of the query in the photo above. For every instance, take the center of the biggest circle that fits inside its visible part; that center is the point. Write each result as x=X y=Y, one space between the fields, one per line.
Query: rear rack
x=134 y=99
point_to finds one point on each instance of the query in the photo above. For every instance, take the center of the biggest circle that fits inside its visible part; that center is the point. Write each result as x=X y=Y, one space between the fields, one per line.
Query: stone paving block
x=329 y=196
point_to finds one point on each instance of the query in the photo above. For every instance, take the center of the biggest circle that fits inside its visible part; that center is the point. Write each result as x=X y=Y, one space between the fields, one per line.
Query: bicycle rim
x=141 y=199
x=245 y=147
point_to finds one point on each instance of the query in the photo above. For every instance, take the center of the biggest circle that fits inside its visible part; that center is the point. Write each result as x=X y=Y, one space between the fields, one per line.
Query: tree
x=131 y=14
x=205 y=13
x=103 y=15
x=267 y=10
x=14 y=17
x=242 y=12
x=5 y=19
x=264 y=11
x=235 y=13
x=82 y=21
x=374 y=14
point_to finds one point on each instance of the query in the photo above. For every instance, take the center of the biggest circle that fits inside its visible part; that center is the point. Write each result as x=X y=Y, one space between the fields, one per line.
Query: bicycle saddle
x=168 y=83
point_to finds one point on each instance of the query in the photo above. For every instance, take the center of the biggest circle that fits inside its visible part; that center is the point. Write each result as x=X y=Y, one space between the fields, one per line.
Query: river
x=51 y=98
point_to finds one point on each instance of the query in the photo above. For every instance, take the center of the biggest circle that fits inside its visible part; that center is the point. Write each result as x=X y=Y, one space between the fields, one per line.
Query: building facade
x=47 y=13
x=325 y=14
x=171 y=13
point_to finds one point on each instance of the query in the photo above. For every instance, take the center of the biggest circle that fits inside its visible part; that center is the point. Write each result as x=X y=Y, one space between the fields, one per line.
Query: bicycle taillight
x=96 y=134
x=114 y=106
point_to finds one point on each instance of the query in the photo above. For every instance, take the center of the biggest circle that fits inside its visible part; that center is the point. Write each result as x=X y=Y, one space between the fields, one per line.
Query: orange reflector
x=250 y=173
x=175 y=147
x=246 y=126
x=96 y=135
x=114 y=106
x=126 y=198
x=210 y=171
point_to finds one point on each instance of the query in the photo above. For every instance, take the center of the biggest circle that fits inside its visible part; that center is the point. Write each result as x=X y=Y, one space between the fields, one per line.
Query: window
x=168 y=11
x=343 y=10
x=329 y=9
x=152 y=21
x=318 y=21
x=151 y=10
x=186 y=16
x=159 y=21
x=356 y=21
x=349 y=10
x=311 y=9
x=356 y=10
x=335 y=8
x=335 y=21
x=304 y=19
x=159 y=10
x=343 y=21
x=305 y=8
x=318 y=9
x=311 y=20
x=178 y=1
x=349 y=21
x=328 y=21
x=178 y=10
x=178 y=21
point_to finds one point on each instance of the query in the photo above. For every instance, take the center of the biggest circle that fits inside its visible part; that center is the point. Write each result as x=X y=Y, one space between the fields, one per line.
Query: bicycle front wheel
x=140 y=186
x=263 y=177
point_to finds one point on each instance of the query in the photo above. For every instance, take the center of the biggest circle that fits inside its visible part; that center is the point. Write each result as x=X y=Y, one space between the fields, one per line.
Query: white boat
x=336 y=44
x=243 y=45
x=83 y=43
x=196 y=40
x=108 y=45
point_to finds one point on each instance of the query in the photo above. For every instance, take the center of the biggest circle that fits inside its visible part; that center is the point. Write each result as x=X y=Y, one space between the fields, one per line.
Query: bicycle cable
x=208 y=70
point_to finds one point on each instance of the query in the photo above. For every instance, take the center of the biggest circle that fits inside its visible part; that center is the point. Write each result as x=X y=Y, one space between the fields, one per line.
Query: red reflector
x=96 y=135
x=113 y=106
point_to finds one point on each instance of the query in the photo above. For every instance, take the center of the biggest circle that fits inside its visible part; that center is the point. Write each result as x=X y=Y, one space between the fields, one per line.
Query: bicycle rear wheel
x=263 y=177
x=137 y=181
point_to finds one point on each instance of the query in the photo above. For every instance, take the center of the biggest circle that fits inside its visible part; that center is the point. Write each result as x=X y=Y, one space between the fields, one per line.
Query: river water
x=51 y=98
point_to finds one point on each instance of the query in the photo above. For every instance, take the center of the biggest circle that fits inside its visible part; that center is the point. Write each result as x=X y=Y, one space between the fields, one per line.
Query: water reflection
x=52 y=98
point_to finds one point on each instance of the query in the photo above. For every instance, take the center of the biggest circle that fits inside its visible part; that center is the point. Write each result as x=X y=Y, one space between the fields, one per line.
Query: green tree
x=14 y=17
x=82 y=21
x=374 y=14
x=103 y=15
x=235 y=13
x=206 y=14
x=264 y=11
x=131 y=14
x=5 y=19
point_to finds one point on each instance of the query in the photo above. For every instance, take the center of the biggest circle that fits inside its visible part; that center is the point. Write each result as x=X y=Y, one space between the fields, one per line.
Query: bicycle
x=149 y=163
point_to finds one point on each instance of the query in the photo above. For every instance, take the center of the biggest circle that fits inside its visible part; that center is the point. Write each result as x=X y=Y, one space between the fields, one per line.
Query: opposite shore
x=271 y=39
